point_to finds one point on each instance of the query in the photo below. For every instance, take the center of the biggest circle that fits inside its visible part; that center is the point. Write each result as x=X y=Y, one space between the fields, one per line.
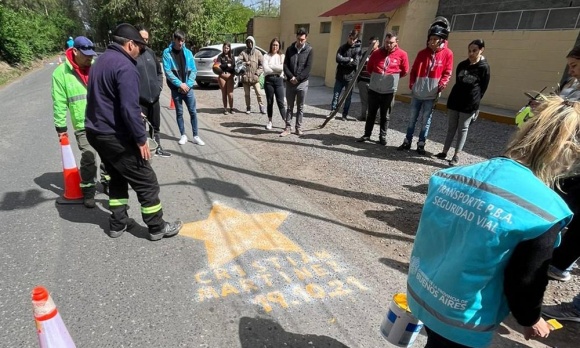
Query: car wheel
x=202 y=84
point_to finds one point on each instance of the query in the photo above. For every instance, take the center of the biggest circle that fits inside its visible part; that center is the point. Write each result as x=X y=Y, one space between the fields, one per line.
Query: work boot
x=116 y=234
x=169 y=230
x=405 y=146
x=382 y=138
x=89 y=197
x=421 y=148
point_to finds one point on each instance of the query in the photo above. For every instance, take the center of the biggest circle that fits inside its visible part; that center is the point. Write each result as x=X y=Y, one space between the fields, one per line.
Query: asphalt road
x=256 y=265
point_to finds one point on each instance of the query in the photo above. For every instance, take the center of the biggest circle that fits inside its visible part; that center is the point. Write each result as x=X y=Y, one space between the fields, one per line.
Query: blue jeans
x=189 y=100
x=339 y=85
x=425 y=113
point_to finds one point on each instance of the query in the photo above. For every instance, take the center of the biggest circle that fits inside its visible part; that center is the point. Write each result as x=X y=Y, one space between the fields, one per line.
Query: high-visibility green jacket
x=68 y=93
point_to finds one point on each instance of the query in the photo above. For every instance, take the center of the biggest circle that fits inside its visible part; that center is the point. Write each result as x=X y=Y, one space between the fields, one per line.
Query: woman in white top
x=274 y=79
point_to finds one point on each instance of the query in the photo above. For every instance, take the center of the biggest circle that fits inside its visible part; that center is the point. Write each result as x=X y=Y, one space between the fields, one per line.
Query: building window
x=305 y=26
x=325 y=27
x=533 y=19
x=463 y=22
x=543 y=19
x=484 y=21
x=508 y=20
x=563 y=18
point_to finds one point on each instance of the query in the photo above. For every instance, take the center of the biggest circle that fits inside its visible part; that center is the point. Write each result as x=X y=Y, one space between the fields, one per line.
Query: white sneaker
x=269 y=125
x=182 y=140
x=197 y=140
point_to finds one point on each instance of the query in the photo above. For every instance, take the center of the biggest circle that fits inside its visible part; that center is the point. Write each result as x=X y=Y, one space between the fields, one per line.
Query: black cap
x=127 y=31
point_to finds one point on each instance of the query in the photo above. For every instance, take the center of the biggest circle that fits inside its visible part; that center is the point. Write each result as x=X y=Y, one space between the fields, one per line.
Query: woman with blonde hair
x=487 y=232
x=224 y=66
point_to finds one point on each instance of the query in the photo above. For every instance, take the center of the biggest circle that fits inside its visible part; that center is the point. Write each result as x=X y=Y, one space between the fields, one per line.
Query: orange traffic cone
x=52 y=332
x=171 y=104
x=72 y=177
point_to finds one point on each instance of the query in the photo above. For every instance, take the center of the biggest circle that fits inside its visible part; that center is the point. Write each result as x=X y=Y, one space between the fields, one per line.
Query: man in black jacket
x=116 y=130
x=297 y=65
x=347 y=57
x=150 y=86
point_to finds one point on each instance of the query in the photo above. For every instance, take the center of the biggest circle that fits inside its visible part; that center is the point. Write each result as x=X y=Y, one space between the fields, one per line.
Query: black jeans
x=377 y=101
x=274 y=86
x=435 y=340
x=126 y=167
x=569 y=249
x=153 y=113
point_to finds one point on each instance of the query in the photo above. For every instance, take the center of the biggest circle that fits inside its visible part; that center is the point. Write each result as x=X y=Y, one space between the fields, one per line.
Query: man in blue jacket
x=180 y=72
x=116 y=130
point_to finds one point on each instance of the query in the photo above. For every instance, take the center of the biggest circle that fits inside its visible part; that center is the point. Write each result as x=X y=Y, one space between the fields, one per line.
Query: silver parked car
x=205 y=57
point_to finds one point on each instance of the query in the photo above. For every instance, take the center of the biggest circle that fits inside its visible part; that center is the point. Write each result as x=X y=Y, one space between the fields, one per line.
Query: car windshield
x=207 y=53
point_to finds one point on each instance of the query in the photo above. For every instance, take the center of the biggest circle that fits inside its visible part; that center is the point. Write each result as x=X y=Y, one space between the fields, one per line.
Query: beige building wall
x=265 y=29
x=520 y=61
x=294 y=12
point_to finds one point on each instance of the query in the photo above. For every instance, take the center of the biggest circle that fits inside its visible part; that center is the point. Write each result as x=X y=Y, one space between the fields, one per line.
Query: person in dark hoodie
x=115 y=129
x=150 y=86
x=348 y=56
x=297 y=65
x=472 y=79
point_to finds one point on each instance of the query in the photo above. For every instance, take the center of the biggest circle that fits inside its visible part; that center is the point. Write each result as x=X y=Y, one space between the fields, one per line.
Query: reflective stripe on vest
x=499 y=192
x=76 y=98
x=446 y=320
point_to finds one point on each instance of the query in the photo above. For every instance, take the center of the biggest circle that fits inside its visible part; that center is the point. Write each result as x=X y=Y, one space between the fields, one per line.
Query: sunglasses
x=84 y=48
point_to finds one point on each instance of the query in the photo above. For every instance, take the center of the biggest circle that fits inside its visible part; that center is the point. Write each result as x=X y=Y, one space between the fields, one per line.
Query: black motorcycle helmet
x=439 y=27
x=437 y=30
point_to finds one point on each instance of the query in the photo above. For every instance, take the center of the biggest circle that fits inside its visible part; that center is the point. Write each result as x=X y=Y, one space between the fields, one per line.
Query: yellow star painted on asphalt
x=228 y=233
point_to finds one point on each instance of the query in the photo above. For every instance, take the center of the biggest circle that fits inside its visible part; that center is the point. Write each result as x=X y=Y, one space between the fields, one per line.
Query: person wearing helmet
x=70 y=42
x=430 y=74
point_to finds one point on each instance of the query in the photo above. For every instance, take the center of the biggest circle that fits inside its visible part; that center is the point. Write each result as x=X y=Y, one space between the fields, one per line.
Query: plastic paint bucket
x=399 y=326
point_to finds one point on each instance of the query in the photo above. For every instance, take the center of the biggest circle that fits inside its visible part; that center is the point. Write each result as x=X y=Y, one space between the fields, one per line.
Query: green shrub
x=26 y=35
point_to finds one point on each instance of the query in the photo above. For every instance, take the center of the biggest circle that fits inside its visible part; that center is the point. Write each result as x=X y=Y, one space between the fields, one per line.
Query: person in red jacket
x=430 y=74
x=385 y=66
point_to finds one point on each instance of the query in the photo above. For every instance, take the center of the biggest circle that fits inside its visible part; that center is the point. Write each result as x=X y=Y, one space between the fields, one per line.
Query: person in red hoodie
x=385 y=66
x=430 y=74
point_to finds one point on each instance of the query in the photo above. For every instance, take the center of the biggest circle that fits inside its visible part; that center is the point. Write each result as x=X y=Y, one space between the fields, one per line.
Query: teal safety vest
x=473 y=219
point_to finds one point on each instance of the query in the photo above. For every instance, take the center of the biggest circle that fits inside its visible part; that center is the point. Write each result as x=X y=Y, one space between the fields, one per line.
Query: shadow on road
x=265 y=333
x=76 y=213
x=402 y=267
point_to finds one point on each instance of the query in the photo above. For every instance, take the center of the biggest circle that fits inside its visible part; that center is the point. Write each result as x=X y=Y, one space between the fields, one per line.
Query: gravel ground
x=376 y=190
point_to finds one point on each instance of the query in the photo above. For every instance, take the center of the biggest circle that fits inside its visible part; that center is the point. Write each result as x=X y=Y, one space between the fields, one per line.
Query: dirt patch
x=9 y=73
x=375 y=190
